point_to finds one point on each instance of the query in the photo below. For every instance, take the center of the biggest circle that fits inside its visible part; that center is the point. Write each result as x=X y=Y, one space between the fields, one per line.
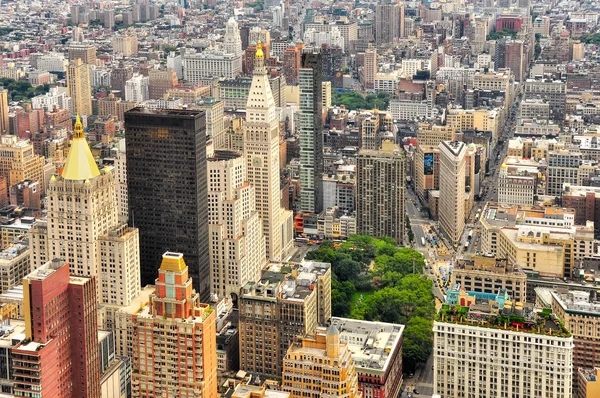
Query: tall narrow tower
x=311 y=134
x=261 y=150
x=452 y=188
x=78 y=84
x=233 y=41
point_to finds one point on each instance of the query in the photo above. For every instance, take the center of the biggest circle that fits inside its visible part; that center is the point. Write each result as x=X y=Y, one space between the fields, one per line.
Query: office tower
x=166 y=178
x=237 y=245
x=326 y=95
x=370 y=68
x=211 y=64
x=181 y=360
x=78 y=85
x=327 y=366
x=261 y=150
x=60 y=356
x=232 y=40
x=576 y=308
x=515 y=189
x=119 y=155
x=83 y=228
x=19 y=161
x=389 y=23
x=137 y=89
x=3 y=111
x=125 y=44
x=119 y=77
x=515 y=59
x=452 y=189
x=84 y=51
x=160 y=81
x=292 y=58
x=563 y=168
x=380 y=192
x=215 y=121
x=311 y=134
x=14 y=265
x=477 y=352
x=289 y=300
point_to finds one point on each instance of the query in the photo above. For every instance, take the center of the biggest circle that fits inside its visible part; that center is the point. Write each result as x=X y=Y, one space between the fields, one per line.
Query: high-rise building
x=79 y=87
x=499 y=347
x=311 y=134
x=563 y=168
x=232 y=40
x=327 y=367
x=380 y=192
x=292 y=58
x=119 y=77
x=237 y=245
x=137 y=89
x=452 y=188
x=389 y=23
x=160 y=81
x=166 y=178
x=3 y=111
x=261 y=150
x=515 y=188
x=86 y=52
x=215 y=121
x=125 y=44
x=370 y=67
x=19 y=162
x=119 y=155
x=60 y=355
x=181 y=360
x=83 y=228
x=14 y=265
x=288 y=301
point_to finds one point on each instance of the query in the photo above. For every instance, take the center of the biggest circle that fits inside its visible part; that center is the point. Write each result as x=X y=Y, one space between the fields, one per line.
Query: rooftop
x=590 y=375
x=577 y=301
x=371 y=343
x=500 y=313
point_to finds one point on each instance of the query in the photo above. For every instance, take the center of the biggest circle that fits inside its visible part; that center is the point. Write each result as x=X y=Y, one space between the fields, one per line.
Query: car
x=415 y=392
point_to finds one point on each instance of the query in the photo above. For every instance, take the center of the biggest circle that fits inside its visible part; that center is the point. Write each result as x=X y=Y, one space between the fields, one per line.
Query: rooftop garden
x=544 y=322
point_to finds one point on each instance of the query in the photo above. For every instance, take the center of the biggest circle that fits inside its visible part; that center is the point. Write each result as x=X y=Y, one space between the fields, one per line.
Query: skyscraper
x=380 y=192
x=311 y=134
x=389 y=23
x=237 y=245
x=181 y=360
x=3 y=111
x=370 y=67
x=261 y=150
x=166 y=176
x=452 y=188
x=83 y=228
x=80 y=90
x=60 y=356
x=232 y=40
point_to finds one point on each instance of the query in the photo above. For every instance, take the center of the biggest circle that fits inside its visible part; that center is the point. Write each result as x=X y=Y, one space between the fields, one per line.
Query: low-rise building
x=588 y=383
x=488 y=274
x=14 y=266
x=376 y=349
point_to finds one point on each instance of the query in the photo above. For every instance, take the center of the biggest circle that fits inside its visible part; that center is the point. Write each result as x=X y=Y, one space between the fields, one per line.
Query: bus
x=302 y=239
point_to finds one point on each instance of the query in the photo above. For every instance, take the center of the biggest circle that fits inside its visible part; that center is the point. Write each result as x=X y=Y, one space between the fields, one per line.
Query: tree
x=417 y=344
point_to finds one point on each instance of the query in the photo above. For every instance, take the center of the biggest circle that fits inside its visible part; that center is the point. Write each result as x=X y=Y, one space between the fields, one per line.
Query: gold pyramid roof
x=80 y=164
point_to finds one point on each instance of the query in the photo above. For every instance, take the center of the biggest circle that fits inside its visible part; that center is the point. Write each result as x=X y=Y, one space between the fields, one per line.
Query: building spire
x=80 y=164
x=259 y=61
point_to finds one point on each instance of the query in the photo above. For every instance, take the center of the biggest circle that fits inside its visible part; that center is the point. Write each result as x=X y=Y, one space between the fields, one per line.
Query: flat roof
x=371 y=343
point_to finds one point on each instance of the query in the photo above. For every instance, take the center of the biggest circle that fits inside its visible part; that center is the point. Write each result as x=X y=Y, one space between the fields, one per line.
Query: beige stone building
x=261 y=150
x=83 y=228
x=14 y=266
x=488 y=274
x=236 y=241
x=320 y=365
x=125 y=44
x=215 y=121
x=452 y=189
x=430 y=134
x=79 y=88
x=19 y=162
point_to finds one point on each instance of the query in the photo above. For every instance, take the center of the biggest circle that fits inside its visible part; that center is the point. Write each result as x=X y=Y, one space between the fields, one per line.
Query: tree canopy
x=590 y=39
x=353 y=100
x=499 y=34
x=381 y=272
x=19 y=90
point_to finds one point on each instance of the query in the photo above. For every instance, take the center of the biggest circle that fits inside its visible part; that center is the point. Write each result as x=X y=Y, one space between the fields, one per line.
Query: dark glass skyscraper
x=166 y=178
